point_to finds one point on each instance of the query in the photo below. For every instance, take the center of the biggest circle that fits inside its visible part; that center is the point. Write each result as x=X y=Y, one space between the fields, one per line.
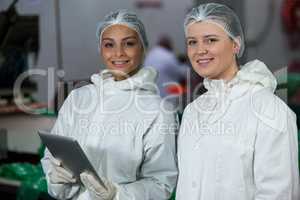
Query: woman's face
x=211 y=52
x=121 y=50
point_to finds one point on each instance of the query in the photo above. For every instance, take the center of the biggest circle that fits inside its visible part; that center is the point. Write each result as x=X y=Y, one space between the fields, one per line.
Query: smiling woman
x=211 y=51
x=237 y=141
x=121 y=123
x=121 y=51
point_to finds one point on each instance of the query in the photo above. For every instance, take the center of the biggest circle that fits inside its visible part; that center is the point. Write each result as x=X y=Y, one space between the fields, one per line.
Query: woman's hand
x=96 y=190
x=58 y=174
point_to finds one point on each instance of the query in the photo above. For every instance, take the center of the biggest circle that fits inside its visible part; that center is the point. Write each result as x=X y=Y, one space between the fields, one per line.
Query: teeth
x=203 y=61
x=119 y=62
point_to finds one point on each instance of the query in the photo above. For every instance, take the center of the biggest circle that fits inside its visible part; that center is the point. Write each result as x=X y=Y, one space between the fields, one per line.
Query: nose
x=119 y=51
x=202 y=49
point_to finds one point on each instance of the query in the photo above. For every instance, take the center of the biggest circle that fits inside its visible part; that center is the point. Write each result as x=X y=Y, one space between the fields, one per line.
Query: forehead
x=118 y=31
x=204 y=28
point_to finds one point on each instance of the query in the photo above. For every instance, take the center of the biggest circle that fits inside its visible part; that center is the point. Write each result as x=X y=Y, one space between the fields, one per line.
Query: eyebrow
x=126 y=38
x=211 y=35
x=130 y=37
x=205 y=36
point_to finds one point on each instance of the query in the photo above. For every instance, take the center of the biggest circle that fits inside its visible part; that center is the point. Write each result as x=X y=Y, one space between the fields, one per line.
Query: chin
x=118 y=70
x=202 y=73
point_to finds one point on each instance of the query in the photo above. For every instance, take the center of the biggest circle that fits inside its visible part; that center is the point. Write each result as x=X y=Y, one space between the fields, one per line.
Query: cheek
x=104 y=54
x=190 y=53
x=222 y=51
x=136 y=55
x=217 y=49
x=226 y=58
x=227 y=54
x=104 y=58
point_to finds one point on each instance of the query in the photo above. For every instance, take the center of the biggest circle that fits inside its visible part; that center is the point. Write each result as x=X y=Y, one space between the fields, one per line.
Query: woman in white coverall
x=120 y=122
x=238 y=141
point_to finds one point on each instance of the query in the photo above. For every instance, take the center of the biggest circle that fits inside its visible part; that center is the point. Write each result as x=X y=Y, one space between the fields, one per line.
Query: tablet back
x=69 y=152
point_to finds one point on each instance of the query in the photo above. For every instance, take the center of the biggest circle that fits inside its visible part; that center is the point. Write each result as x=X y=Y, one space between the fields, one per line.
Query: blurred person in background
x=171 y=73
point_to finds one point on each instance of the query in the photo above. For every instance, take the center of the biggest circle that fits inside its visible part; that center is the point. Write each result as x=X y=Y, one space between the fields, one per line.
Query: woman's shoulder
x=270 y=109
x=193 y=106
x=203 y=98
x=153 y=102
x=83 y=90
x=265 y=99
x=82 y=94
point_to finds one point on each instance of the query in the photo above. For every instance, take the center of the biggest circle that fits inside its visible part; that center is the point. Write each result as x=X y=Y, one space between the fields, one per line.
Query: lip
x=120 y=63
x=204 y=62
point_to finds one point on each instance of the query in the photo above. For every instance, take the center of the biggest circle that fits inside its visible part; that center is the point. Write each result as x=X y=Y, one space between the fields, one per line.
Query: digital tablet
x=69 y=152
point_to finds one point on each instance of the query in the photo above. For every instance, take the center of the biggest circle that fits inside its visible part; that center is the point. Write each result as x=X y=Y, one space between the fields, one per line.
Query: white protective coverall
x=238 y=141
x=127 y=134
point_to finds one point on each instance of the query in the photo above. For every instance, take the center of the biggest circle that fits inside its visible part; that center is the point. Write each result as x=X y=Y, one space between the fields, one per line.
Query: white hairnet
x=123 y=17
x=222 y=16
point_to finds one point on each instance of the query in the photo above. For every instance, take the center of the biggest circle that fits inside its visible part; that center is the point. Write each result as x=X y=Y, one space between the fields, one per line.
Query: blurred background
x=49 y=47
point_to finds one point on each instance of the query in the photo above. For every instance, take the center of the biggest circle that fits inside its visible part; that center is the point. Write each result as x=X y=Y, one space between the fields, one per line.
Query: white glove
x=58 y=174
x=96 y=190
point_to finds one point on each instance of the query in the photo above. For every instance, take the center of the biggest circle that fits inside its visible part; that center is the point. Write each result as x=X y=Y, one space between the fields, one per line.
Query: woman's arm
x=276 y=169
x=158 y=173
x=61 y=127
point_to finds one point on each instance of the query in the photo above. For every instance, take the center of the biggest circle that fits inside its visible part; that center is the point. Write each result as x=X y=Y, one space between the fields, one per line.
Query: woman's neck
x=231 y=72
x=125 y=76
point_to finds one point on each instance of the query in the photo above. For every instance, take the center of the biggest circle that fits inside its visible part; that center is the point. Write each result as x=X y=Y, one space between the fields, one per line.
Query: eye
x=130 y=43
x=210 y=40
x=191 y=42
x=108 y=45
